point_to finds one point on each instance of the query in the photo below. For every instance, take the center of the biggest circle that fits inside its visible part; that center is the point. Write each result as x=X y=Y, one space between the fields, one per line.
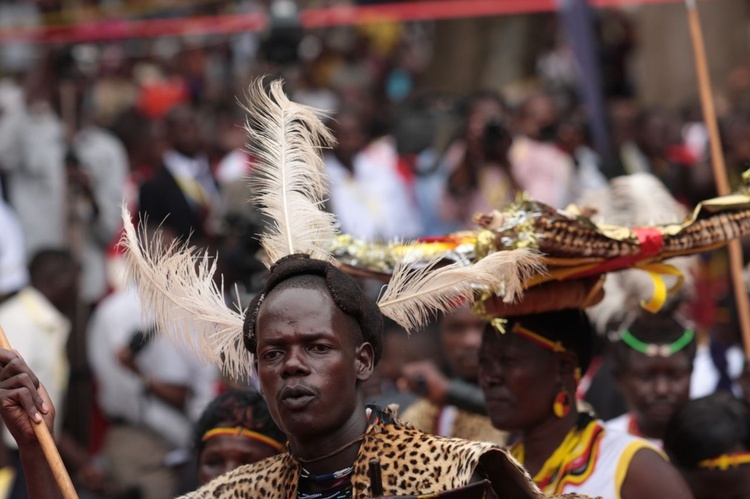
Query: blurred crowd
x=158 y=124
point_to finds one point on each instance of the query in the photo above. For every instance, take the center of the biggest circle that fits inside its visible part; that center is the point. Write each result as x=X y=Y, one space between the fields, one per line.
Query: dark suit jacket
x=162 y=201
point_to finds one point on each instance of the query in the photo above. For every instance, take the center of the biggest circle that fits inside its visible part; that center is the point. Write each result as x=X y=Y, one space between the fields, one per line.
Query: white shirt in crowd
x=372 y=203
x=40 y=333
x=13 y=272
x=121 y=393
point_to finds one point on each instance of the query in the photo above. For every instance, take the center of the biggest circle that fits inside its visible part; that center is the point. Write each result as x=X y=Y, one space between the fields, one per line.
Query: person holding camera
x=479 y=176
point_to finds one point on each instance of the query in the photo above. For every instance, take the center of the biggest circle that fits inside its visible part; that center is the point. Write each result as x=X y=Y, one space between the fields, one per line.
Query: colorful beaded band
x=244 y=432
x=654 y=350
x=540 y=340
x=725 y=461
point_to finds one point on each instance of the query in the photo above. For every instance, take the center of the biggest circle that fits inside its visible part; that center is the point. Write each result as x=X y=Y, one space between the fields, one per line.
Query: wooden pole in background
x=719 y=167
x=48 y=446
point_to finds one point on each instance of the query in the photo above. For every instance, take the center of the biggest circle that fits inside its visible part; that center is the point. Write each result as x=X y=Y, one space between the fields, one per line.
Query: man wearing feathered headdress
x=313 y=336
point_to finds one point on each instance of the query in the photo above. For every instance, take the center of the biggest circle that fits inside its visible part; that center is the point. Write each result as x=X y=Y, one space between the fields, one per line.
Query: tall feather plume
x=177 y=289
x=289 y=177
x=412 y=297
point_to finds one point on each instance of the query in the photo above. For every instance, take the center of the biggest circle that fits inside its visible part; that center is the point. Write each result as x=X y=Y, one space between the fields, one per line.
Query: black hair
x=706 y=428
x=570 y=327
x=660 y=329
x=234 y=408
x=346 y=293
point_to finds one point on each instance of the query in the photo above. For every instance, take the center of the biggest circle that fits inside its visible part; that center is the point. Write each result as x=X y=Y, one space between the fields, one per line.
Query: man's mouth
x=297 y=397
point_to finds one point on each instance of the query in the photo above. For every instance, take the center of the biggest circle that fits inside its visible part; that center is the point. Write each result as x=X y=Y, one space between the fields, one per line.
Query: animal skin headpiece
x=177 y=286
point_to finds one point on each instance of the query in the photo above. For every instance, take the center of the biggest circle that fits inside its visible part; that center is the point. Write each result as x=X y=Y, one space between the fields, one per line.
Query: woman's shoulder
x=252 y=480
x=621 y=445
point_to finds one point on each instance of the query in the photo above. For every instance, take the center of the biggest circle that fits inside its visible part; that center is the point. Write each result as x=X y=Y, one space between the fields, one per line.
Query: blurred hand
x=424 y=378
x=23 y=399
x=127 y=359
x=91 y=478
x=78 y=177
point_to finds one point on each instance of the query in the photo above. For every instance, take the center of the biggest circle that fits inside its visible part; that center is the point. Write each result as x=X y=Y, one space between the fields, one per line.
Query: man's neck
x=316 y=446
x=541 y=442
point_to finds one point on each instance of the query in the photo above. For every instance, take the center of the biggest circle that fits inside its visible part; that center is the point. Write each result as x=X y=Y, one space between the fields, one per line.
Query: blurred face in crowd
x=482 y=112
x=518 y=379
x=56 y=277
x=537 y=118
x=183 y=131
x=738 y=141
x=310 y=361
x=655 y=388
x=571 y=134
x=653 y=134
x=462 y=338
x=224 y=453
x=350 y=136
x=399 y=349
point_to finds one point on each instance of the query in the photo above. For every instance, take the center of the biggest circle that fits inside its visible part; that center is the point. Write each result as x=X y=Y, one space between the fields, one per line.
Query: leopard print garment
x=412 y=462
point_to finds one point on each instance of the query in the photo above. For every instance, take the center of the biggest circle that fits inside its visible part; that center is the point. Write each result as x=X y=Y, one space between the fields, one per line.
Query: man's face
x=185 y=133
x=350 y=137
x=518 y=380
x=462 y=337
x=656 y=387
x=309 y=362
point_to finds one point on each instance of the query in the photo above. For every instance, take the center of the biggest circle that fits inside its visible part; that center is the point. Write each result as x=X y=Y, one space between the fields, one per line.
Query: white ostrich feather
x=289 y=177
x=639 y=199
x=178 y=292
x=635 y=200
x=412 y=297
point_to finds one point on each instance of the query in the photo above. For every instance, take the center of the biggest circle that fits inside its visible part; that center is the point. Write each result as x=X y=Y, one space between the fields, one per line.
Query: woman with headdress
x=709 y=442
x=235 y=429
x=529 y=375
x=652 y=364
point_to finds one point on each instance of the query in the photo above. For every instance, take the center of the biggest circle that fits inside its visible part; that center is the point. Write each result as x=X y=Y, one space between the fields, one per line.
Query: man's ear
x=365 y=361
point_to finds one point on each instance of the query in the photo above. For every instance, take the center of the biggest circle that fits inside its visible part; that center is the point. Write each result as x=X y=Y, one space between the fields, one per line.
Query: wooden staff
x=719 y=167
x=48 y=446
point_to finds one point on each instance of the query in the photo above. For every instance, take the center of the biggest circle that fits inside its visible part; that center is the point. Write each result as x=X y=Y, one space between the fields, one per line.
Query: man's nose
x=294 y=364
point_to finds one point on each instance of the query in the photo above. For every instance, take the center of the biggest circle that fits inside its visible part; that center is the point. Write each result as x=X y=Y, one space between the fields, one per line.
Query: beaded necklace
x=574 y=459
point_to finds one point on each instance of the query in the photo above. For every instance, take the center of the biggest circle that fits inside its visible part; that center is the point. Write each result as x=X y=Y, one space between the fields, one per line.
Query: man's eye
x=320 y=348
x=271 y=355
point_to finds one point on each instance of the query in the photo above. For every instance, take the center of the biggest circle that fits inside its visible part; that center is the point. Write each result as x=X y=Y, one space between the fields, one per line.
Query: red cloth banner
x=108 y=30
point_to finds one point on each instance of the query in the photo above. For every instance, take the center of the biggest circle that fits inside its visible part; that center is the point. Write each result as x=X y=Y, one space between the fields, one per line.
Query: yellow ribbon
x=656 y=271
